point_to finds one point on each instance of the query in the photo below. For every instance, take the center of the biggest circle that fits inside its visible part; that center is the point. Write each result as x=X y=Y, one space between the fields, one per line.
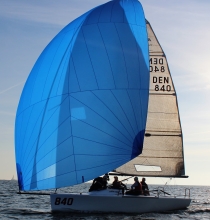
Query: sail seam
x=123 y=54
x=101 y=117
x=90 y=57
x=123 y=112
x=107 y=55
x=45 y=139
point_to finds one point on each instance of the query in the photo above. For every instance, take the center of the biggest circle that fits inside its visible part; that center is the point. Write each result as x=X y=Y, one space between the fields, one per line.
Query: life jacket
x=138 y=188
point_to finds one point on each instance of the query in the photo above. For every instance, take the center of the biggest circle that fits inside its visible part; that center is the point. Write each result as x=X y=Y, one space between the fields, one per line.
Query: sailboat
x=100 y=99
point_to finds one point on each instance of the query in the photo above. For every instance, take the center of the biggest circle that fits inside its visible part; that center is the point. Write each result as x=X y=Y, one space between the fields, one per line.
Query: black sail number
x=63 y=201
x=163 y=88
x=157 y=69
x=157 y=64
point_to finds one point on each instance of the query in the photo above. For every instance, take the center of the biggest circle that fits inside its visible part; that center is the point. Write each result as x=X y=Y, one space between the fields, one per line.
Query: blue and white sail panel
x=83 y=109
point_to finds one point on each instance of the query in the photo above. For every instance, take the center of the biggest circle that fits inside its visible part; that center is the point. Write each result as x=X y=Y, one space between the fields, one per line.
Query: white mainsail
x=162 y=153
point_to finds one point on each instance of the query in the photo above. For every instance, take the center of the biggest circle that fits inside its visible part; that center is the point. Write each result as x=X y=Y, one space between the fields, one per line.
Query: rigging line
x=168 y=181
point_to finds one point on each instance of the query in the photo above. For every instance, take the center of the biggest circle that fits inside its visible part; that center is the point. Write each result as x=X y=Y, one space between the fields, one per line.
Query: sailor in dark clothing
x=99 y=183
x=145 y=188
x=107 y=176
x=136 y=188
x=118 y=185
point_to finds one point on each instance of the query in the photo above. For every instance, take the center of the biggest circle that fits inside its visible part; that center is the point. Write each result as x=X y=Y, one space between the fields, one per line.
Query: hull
x=112 y=201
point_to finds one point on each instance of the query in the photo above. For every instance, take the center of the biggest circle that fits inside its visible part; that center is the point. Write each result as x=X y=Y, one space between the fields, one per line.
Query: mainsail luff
x=163 y=144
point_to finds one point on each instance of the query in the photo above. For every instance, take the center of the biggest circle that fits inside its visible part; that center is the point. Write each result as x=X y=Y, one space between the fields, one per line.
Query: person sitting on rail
x=145 y=188
x=136 y=188
x=118 y=185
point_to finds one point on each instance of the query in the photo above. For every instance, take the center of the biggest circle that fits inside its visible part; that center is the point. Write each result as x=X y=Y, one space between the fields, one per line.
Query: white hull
x=112 y=201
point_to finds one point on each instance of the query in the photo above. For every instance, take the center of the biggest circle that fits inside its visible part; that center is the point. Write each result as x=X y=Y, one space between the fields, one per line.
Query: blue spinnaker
x=83 y=110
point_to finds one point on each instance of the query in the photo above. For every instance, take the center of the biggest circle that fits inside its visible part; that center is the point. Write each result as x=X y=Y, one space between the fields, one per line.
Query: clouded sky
x=183 y=30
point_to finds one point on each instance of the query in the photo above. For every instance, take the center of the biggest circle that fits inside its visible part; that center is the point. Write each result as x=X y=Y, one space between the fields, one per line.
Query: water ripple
x=15 y=206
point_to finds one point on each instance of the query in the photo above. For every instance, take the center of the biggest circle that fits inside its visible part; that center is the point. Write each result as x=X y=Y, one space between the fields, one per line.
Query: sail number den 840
x=63 y=201
x=161 y=83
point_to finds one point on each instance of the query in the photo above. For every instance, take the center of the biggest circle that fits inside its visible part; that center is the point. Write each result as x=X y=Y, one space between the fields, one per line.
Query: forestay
x=83 y=109
x=163 y=145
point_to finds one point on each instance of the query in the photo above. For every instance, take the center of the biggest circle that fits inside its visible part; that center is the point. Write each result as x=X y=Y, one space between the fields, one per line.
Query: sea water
x=16 y=206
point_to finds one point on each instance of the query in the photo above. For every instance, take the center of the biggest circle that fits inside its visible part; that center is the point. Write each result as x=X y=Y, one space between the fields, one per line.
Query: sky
x=183 y=30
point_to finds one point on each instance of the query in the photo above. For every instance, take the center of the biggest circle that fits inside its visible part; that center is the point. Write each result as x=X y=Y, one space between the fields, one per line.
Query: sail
x=162 y=153
x=83 y=108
